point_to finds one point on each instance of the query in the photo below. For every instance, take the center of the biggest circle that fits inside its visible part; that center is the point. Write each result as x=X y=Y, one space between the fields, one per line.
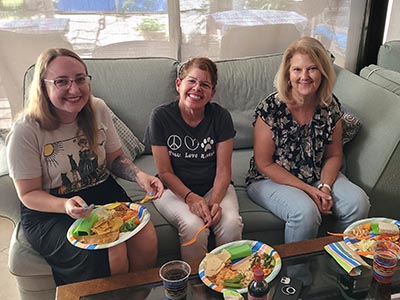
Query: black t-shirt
x=192 y=150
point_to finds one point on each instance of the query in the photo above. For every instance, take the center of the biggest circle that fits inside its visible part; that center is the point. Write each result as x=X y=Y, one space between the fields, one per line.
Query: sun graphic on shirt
x=50 y=152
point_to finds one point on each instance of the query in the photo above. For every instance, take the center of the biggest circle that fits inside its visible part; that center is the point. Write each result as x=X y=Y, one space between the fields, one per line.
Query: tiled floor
x=8 y=284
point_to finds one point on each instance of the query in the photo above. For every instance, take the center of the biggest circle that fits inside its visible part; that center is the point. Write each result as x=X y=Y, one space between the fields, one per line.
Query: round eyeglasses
x=66 y=83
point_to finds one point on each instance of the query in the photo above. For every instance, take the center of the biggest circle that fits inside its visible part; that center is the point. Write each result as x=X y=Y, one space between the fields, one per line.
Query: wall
x=392 y=30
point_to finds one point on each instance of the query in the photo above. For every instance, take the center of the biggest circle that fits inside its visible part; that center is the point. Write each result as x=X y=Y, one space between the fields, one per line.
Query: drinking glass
x=385 y=261
x=175 y=276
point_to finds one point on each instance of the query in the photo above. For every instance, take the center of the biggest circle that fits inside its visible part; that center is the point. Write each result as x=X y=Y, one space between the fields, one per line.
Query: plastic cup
x=385 y=261
x=175 y=276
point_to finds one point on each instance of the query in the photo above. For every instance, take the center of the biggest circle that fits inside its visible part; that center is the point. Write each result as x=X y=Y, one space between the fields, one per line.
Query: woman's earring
x=289 y=83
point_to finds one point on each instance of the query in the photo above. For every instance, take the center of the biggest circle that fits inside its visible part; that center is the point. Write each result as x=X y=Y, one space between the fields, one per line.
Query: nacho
x=109 y=225
x=95 y=239
x=215 y=262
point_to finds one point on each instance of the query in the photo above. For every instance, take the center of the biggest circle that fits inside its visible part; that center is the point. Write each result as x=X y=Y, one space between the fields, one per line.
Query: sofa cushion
x=378 y=109
x=389 y=56
x=131 y=145
x=133 y=98
x=242 y=84
x=388 y=79
x=32 y=271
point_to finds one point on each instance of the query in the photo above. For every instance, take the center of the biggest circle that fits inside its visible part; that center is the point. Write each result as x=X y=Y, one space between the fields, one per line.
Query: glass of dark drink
x=175 y=276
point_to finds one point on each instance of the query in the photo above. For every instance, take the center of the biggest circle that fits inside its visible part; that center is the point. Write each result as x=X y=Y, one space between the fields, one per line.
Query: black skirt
x=47 y=234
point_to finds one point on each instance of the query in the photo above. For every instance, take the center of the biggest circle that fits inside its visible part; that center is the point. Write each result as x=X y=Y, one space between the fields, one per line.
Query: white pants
x=177 y=212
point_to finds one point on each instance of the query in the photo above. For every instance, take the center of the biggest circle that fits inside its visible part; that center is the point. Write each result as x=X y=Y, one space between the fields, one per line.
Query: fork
x=194 y=238
x=350 y=235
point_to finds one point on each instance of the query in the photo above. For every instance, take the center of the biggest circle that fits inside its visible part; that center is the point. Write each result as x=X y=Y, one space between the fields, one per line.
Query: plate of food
x=361 y=235
x=230 y=266
x=108 y=225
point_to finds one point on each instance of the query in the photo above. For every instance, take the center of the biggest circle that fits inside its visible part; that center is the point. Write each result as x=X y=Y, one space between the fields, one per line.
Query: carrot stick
x=365 y=253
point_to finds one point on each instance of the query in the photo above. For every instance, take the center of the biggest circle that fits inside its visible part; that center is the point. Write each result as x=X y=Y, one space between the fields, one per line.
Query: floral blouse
x=298 y=148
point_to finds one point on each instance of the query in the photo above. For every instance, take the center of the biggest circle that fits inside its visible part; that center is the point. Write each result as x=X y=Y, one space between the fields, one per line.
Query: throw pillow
x=351 y=125
x=131 y=145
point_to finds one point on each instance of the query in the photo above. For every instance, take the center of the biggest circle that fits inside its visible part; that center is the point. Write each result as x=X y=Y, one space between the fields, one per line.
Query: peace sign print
x=174 y=142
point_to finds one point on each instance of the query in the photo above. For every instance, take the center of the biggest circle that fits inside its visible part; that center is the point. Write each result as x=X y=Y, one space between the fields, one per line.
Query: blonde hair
x=40 y=107
x=319 y=55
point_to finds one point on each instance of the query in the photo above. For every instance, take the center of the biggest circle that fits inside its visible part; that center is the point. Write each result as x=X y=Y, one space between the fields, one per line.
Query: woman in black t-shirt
x=192 y=143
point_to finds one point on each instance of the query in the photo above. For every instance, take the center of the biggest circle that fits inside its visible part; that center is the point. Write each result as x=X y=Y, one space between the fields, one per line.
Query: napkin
x=232 y=295
x=350 y=261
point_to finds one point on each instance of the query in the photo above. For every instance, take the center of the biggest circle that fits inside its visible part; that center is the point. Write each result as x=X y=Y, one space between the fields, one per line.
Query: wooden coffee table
x=75 y=291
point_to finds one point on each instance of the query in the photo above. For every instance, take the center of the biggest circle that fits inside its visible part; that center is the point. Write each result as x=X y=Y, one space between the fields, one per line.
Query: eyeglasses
x=193 y=81
x=65 y=83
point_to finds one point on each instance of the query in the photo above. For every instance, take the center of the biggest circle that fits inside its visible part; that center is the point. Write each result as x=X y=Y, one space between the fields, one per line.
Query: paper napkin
x=232 y=295
x=350 y=261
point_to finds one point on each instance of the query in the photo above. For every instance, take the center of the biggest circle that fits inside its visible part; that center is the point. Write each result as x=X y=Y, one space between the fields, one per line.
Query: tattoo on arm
x=124 y=168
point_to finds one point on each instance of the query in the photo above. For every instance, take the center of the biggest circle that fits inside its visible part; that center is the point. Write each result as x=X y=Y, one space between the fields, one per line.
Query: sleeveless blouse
x=298 y=148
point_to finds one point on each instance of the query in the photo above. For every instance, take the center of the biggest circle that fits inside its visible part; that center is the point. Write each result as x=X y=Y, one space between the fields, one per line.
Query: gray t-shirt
x=61 y=157
x=192 y=151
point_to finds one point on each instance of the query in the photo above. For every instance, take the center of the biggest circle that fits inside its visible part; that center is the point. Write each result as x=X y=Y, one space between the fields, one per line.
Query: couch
x=386 y=72
x=132 y=87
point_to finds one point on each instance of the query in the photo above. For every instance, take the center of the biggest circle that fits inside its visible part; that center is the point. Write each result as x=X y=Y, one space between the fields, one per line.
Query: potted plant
x=151 y=29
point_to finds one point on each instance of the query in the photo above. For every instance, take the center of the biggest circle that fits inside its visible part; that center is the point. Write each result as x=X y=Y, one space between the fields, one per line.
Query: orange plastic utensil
x=365 y=237
x=341 y=234
x=365 y=253
x=193 y=240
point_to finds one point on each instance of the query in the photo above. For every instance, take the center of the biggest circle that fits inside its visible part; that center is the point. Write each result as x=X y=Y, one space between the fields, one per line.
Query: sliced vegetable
x=130 y=224
x=235 y=279
x=233 y=285
x=129 y=215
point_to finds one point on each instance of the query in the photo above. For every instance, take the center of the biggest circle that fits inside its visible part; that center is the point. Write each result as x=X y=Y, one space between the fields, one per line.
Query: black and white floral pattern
x=298 y=148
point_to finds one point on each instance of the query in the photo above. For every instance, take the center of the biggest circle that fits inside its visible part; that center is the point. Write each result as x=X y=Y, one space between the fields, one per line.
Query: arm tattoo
x=124 y=168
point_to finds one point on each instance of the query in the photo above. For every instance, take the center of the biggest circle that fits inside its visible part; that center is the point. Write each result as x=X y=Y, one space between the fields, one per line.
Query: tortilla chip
x=96 y=239
x=109 y=225
x=215 y=262
x=224 y=255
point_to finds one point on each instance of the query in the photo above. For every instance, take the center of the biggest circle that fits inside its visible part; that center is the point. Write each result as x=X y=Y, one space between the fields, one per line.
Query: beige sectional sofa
x=132 y=87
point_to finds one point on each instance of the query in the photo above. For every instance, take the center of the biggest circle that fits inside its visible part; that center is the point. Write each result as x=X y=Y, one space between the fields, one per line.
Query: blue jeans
x=299 y=211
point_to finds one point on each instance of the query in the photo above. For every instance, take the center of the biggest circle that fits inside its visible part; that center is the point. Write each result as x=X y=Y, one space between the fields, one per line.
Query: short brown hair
x=203 y=63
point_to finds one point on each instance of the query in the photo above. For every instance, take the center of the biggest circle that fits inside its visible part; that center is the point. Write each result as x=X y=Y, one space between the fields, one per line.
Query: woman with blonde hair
x=61 y=152
x=295 y=170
